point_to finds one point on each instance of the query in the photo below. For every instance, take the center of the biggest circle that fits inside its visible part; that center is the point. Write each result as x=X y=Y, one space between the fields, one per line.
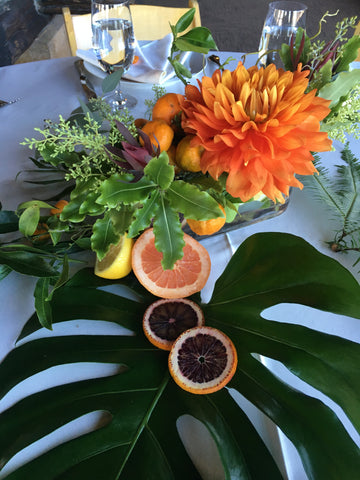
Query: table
x=51 y=87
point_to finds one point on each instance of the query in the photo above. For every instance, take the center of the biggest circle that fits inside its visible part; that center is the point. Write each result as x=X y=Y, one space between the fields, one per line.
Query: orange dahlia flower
x=257 y=125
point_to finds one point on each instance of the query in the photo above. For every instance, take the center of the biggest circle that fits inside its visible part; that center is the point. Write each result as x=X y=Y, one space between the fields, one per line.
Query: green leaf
x=333 y=454
x=29 y=220
x=143 y=216
x=47 y=151
x=4 y=271
x=339 y=87
x=285 y=49
x=108 y=230
x=90 y=206
x=198 y=39
x=104 y=234
x=192 y=202
x=26 y=262
x=111 y=81
x=247 y=439
x=9 y=221
x=42 y=305
x=63 y=278
x=159 y=171
x=134 y=441
x=322 y=76
x=115 y=191
x=349 y=53
x=259 y=276
x=71 y=211
x=81 y=298
x=36 y=203
x=181 y=70
x=185 y=21
x=169 y=237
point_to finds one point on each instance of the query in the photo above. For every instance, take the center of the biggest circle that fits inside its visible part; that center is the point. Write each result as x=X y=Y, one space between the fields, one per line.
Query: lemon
x=117 y=262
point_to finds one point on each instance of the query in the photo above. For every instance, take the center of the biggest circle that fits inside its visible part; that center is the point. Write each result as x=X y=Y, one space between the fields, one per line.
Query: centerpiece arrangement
x=131 y=187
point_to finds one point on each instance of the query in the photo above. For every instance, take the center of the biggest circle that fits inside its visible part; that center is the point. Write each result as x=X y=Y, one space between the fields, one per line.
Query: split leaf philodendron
x=142 y=404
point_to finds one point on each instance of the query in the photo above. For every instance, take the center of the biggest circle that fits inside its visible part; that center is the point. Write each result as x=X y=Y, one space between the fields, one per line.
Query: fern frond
x=322 y=188
x=348 y=188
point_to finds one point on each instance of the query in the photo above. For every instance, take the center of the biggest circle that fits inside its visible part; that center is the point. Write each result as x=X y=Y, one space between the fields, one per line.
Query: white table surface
x=51 y=87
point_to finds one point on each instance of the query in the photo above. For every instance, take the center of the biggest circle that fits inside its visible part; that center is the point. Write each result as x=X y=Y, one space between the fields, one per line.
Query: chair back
x=150 y=23
x=357 y=32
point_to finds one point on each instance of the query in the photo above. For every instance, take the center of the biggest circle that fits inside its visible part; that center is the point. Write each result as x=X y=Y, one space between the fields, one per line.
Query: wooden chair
x=150 y=23
x=357 y=32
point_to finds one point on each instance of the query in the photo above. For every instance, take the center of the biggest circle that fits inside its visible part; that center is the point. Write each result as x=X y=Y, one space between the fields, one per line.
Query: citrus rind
x=165 y=319
x=117 y=262
x=202 y=360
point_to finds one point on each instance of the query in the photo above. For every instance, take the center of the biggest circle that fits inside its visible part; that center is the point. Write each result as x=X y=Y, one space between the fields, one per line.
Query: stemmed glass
x=113 y=42
x=282 y=21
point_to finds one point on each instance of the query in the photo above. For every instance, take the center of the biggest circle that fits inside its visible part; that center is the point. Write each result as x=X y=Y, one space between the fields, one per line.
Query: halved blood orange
x=165 y=319
x=202 y=360
x=188 y=276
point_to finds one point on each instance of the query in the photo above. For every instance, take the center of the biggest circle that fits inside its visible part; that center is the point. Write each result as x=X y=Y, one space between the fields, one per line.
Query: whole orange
x=59 y=206
x=41 y=234
x=166 y=107
x=188 y=156
x=207 y=227
x=160 y=134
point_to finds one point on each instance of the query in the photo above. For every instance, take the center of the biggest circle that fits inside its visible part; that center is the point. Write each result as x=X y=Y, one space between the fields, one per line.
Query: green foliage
x=330 y=74
x=138 y=437
x=158 y=198
x=111 y=81
x=79 y=146
x=337 y=89
x=341 y=194
x=197 y=39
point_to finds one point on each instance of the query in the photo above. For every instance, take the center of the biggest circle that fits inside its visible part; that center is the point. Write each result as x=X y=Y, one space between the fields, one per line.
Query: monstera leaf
x=139 y=437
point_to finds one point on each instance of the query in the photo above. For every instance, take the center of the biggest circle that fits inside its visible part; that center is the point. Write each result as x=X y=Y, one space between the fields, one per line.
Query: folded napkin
x=152 y=65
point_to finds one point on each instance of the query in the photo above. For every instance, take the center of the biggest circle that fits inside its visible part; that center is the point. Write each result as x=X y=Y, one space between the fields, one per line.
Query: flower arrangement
x=256 y=130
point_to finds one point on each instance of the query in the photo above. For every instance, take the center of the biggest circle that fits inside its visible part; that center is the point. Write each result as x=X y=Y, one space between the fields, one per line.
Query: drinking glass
x=281 y=22
x=113 y=42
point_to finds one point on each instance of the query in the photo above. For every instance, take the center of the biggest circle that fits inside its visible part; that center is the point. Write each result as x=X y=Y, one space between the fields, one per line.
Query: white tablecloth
x=51 y=87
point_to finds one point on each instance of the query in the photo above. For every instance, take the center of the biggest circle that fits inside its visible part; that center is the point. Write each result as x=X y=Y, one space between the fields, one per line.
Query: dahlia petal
x=227 y=138
x=238 y=112
x=208 y=98
x=193 y=94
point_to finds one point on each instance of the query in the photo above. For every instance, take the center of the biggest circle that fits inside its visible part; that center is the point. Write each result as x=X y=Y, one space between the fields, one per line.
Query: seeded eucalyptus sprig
x=198 y=39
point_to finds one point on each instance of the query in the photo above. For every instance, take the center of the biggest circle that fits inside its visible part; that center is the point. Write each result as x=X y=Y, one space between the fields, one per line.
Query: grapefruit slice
x=165 y=319
x=188 y=276
x=202 y=360
x=117 y=262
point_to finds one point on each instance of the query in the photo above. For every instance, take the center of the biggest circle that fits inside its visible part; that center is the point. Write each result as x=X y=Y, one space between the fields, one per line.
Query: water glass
x=113 y=42
x=281 y=22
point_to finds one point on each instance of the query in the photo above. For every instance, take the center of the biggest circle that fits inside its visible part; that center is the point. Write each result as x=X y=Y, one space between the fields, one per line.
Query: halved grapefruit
x=188 y=276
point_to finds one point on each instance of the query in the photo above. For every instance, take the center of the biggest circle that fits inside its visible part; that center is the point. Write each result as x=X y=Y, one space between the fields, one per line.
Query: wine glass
x=113 y=42
x=281 y=22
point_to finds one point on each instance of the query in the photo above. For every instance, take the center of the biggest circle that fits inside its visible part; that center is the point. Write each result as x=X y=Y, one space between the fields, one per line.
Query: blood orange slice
x=188 y=276
x=202 y=360
x=165 y=319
